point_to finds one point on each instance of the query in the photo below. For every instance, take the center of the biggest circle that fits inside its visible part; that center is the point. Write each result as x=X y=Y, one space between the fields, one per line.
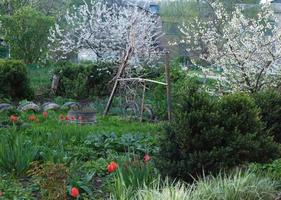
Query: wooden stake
x=168 y=81
x=142 y=102
x=119 y=73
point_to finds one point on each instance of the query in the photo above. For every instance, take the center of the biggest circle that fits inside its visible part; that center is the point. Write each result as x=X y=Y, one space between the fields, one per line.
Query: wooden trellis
x=144 y=81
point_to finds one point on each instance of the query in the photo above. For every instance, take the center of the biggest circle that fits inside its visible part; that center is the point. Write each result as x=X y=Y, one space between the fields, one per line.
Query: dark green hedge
x=211 y=134
x=84 y=80
x=270 y=104
x=14 y=82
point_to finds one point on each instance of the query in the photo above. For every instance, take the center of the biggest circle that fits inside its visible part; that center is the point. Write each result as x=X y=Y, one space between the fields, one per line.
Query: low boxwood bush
x=84 y=80
x=269 y=103
x=14 y=82
x=211 y=134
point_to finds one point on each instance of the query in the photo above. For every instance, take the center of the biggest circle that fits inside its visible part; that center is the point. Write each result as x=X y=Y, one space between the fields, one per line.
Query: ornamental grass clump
x=16 y=153
x=236 y=186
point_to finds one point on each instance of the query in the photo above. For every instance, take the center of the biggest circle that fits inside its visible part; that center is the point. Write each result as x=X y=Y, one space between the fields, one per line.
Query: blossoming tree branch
x=110 y=31
x=127 y=35
x=247 y=49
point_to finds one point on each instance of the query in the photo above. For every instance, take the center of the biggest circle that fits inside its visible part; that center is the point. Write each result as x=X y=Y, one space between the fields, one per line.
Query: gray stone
x=50 y=106
x=70 y=105
x=5 y=106
x=29 y=106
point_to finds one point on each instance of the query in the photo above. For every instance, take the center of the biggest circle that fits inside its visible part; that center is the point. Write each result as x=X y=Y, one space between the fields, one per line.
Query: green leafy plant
x=132 y=175
x=11 y=188
x=83 y=182
x=14 y=81
x=272 y=170
x=107 y=143
x=52 y=179
x=16 y=153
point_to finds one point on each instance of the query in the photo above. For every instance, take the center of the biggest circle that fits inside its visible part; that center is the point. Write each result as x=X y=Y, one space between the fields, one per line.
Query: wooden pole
x=119 y=73
x=168 y=81
x=142 y=102
x=142 y=80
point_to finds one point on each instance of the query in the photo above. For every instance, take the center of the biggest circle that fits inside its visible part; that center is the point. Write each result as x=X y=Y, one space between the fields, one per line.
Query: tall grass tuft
x=165 y=191
x=235 y=186
x=131 y=176
x=16 y=153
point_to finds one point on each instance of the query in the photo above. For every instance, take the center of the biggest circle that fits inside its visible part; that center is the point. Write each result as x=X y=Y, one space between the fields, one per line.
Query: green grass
x=106 y=124
x=109 y=124
x=39 y=77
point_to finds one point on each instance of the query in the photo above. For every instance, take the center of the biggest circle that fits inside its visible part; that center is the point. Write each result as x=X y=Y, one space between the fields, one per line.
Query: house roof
x=150 y=6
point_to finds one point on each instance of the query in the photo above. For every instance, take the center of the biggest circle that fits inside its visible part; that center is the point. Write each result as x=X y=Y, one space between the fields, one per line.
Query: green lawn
x=39 y=77
x=108 y=124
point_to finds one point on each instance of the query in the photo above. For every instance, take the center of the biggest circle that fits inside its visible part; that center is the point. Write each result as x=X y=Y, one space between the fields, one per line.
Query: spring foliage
x=26 y=32
x=247 y=49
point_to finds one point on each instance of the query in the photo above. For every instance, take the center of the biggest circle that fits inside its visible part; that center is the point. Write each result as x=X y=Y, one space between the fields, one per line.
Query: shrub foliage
x=14 y=82
x=83 y=80
x=214 y=134
x=270 y=104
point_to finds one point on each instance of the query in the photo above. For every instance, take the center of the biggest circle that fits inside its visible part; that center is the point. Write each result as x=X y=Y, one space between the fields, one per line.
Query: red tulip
x=1 y=193
x=67 y=118
x=74 y=192
x=13 y=118
x=31 y=118
x=80 y=118
x=146 y=158
x=62 y=117
x=112 y=167
x=73 y=118
x=45 y=115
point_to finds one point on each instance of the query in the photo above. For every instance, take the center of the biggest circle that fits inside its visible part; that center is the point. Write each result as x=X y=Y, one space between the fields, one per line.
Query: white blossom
x=247 y=49
x=108 y=31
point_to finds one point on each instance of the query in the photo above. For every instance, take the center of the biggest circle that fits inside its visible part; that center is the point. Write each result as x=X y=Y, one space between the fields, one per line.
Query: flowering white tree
x=110 y=31
x=247 y=49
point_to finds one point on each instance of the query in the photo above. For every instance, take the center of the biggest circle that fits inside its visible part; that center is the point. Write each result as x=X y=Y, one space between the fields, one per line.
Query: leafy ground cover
x=38 y=147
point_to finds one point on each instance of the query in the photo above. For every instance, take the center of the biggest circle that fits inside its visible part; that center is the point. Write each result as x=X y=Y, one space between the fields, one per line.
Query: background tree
x=27 y=33
x=247 y=49
x=175 y=13
x=8 y=7
x=109 y=31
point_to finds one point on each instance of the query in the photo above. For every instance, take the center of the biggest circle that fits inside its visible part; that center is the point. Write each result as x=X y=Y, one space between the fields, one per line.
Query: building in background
x=276 y=5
